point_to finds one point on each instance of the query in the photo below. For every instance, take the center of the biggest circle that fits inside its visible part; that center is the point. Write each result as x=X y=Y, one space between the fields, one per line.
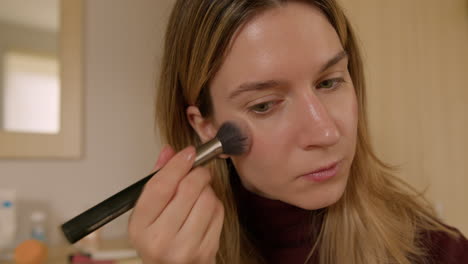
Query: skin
x=301 y=118
x=177 y=218
x=304 y=121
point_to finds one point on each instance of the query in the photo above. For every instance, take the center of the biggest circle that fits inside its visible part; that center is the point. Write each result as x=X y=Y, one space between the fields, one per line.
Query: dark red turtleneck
x=283 y=233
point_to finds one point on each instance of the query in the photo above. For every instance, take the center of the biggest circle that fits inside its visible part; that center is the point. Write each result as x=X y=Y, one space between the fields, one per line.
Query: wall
x=416 y=57
x=122 y=47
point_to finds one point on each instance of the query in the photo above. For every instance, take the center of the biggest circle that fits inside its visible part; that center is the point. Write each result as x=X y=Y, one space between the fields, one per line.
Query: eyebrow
x=263 y=85
x=333 y=61
x=246 y=87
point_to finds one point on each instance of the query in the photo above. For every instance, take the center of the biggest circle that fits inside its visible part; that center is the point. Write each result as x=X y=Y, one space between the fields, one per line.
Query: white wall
x=122 y=50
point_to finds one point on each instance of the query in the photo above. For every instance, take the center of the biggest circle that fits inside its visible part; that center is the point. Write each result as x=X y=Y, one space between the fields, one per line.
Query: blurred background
x=416 y=58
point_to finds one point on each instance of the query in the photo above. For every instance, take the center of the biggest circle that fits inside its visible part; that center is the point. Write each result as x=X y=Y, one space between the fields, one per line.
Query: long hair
x=379 y=218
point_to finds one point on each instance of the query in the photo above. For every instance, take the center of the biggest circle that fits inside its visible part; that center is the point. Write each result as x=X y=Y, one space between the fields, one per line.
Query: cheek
x=268 y=148
x=263 y=168
x=267 y=144
x=347 y=124
x=345 y=113
x=353 y=118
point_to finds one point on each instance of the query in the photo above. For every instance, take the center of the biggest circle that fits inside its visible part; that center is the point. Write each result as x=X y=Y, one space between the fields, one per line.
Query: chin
x=321 y=198
x=321 y=203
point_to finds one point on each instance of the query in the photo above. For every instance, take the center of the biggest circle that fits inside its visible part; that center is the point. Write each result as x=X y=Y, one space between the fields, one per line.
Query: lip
x=322 y=174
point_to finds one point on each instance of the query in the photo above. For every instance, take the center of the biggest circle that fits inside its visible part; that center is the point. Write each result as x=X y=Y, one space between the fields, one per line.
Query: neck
x=274 y=223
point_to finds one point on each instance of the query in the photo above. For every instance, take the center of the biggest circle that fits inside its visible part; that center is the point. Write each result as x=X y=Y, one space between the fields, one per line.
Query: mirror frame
x=67 y=143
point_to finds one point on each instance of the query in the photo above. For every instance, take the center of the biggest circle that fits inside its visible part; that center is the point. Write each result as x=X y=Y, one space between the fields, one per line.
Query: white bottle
x=7 y=218
x=38 y=226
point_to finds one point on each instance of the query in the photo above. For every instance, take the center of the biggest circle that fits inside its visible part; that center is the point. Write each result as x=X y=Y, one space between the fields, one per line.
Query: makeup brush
x=231 y=139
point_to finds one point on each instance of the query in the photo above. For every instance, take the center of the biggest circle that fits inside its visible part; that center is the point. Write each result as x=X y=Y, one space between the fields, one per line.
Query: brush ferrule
x=208 y=151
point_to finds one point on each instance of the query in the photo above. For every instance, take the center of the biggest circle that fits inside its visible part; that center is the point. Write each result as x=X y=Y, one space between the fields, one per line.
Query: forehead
x=291 y=39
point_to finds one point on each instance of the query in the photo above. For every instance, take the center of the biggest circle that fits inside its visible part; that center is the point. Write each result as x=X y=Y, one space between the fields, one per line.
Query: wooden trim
x=69 y=142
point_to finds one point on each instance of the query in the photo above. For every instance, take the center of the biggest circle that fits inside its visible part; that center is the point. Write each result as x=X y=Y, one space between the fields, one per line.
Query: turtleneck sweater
x=283 y=233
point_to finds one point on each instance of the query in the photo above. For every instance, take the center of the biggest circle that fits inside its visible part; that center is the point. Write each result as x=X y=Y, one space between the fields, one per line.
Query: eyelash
x=335 y=81
x=271 y=104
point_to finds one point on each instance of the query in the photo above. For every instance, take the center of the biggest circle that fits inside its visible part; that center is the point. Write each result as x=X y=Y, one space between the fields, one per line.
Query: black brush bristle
x=235 y=140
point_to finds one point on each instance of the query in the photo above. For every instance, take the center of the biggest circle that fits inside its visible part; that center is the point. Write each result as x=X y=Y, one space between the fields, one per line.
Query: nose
x=316 y=128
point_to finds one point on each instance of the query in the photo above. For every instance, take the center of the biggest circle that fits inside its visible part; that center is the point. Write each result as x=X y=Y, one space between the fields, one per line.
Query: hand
x=178 y=218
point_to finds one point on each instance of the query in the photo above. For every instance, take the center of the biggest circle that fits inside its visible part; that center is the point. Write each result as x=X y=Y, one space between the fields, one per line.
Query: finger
x=160 y=189
x=210 y=242
x=167 y=152
x=178 y=210
x=199 y=219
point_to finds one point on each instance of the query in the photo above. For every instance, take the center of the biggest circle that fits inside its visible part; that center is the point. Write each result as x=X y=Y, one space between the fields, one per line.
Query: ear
x=203 y=126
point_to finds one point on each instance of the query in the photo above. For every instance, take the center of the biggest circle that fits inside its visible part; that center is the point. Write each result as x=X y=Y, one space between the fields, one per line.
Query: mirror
x=41 y=78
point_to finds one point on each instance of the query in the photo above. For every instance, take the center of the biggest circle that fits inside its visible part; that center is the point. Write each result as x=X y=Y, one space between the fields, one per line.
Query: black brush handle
x=119 y=203
x=104 y=212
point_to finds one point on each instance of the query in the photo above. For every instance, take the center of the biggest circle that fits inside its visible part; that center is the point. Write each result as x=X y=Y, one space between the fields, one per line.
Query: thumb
x=167 y=152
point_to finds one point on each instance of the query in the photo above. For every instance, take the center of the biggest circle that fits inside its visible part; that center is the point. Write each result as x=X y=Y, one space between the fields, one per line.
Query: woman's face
x=286 y=77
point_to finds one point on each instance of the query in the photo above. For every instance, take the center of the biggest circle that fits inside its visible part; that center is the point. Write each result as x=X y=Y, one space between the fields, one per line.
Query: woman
x=311 y=189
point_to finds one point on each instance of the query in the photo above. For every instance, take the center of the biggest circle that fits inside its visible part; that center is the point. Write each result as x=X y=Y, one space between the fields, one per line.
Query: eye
x=262 y=107
x=330 y=83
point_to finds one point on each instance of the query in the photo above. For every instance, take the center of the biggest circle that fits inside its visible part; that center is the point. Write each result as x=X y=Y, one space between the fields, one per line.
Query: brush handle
x=114 y=206
x=104 y=212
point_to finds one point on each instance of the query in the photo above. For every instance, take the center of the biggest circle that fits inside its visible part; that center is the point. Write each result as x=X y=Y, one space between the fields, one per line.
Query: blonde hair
x=379 y=218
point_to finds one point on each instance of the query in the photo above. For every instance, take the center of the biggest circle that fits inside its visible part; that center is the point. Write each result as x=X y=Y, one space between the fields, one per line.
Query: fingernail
x=164 y=149
x=189 y=153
